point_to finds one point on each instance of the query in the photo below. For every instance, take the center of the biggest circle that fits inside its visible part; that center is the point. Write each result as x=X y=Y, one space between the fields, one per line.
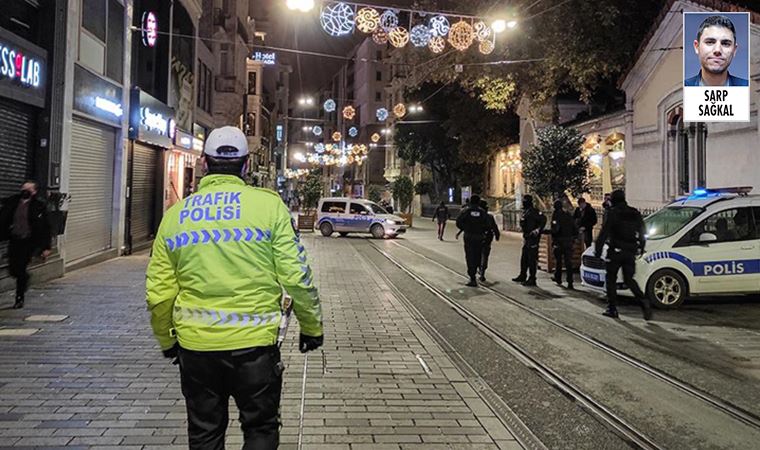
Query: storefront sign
x=150 y=120
x=269 y=59
x=149 y=29
x=183 y=140
x=97 y=97
x=279 y=133
x=199 y=138
x=22 y=69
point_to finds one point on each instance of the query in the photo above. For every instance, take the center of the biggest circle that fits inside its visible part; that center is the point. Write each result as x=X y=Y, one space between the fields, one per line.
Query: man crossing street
x=532 y=223
x=473 y=221
x=220 y=261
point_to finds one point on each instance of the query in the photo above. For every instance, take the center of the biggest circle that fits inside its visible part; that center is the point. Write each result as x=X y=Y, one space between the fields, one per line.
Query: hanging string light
x=349 y=112
x=482 y=31
x=461 y=35
x=317 y=130
x=420 y=35
x=437 y=44
x=398 y=37
x=380 y=37
x=337 y=19
x=388 y=20
x=367 y=20
x=329 y=105
x=337 y=136
x=382 y=114
x=439 y=26
x=399 y=110
x=353 y=132
x=375 y=138
x=486 y=47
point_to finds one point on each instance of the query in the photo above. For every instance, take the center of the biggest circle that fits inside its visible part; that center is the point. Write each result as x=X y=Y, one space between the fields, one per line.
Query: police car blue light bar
x=704 y=192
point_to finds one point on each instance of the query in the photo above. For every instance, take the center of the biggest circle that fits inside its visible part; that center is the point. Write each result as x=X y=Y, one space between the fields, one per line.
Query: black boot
x=472 y=282
x=611 y=311
x=519 y=279
x=529 y=282
x=19 y=302
x=646 y=307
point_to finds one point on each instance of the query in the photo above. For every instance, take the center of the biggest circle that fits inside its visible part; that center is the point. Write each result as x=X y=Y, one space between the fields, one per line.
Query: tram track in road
x=716 y=402
x=605 y=414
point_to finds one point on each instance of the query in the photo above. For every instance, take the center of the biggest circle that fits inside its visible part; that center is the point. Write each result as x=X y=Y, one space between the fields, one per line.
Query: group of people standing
x=622 y=230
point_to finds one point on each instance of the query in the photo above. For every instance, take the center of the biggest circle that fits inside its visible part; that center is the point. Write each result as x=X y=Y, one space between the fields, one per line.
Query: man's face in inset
x=716 y=49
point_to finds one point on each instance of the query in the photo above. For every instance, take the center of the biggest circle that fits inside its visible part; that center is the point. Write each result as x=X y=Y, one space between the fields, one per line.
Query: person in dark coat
x=585 y=219
x=441 y=215
x=473 y=221
x=24 y=224
x=564 y=232
x=492 y=232
x=624 y=234
x=531 y=223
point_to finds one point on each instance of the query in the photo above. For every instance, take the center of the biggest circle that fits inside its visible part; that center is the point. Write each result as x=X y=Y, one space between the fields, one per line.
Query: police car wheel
x=667 y=289
x=343 y=234
x=377 y=230
x=326 y=228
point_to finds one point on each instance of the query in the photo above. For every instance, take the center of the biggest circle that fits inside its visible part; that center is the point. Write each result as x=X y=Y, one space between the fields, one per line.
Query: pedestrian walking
x=24 y=224
x=585 y=219
x=563 y=231
x=624 y=234
x=220 y=261
x=491 y=232
x=473 y=221
x=441 y=215
x=531 y=223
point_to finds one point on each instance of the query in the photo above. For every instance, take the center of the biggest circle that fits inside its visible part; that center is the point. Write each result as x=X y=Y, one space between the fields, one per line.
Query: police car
x=707 y=243
x=352 y=215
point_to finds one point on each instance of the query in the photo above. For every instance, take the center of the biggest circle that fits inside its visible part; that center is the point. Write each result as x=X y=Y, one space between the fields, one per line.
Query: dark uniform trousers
x=19 y=255
x=473 y=252
x=563 y=256
x=529 y=258
x=625 y=260
x=486 y=253
x=253 y=377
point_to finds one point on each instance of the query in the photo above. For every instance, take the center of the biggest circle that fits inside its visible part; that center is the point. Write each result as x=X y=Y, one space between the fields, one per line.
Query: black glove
x=309 y=343
x=171 y=352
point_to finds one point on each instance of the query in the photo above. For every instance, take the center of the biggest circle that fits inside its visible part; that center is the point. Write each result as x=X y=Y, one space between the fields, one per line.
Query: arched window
x=686 y=155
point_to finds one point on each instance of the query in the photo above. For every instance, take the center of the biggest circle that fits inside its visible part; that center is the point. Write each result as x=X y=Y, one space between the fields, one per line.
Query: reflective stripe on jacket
x=220 y=260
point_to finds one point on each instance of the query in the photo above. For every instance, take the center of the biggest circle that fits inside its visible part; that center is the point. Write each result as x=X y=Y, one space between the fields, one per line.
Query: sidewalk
x=93 y=377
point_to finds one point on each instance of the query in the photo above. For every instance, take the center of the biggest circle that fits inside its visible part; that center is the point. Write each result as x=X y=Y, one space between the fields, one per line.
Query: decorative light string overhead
x=425 y=29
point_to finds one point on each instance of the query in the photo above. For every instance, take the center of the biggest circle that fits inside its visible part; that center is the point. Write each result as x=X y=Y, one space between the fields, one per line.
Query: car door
x=727 y=264
x=360 y=217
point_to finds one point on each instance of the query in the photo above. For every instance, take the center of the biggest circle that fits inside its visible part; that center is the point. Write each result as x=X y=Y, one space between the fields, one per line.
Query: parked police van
x=707 y=243
x=356 y=215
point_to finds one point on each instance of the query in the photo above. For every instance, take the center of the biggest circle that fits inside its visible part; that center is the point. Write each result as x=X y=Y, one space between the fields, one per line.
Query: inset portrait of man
x=715 y=46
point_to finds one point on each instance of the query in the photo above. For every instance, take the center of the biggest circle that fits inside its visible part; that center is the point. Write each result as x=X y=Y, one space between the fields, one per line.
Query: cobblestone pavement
x=79 y=368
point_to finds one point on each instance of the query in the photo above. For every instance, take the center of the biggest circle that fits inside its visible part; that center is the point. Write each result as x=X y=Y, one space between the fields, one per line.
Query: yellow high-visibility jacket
x=219 y=262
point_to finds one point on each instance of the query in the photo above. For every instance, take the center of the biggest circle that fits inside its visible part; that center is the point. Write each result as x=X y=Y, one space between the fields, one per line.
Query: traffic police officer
x=563 y=232
x=624 y=233
x=491 y=232
x=473 y=221
x=220 y=261
x=532 y=223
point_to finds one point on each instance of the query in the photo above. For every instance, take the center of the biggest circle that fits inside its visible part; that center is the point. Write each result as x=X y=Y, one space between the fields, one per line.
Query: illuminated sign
x=268 y=59
x=279 y=133
x=150 y=120
x=154 y=121
x=184 y=140
x=22 y=69
x=149 y=29
x=109 y=106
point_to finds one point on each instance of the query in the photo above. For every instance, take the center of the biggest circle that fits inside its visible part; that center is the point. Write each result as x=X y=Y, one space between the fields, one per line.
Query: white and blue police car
x=707 y=243
x=356 y=215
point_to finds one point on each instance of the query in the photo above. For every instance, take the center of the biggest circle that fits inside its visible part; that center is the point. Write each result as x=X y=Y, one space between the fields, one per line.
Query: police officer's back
x=473 y=221
x=532 y=224
x=563 y=232
x=220 y=260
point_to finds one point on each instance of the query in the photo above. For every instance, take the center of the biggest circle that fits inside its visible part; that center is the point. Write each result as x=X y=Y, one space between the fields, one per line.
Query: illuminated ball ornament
x=439 y=26
x=337 y=19
x=375 y=138
x=486 y=47
x=349 y=112
x=420 y=35
x=399 y=110
x=388 y=20
x=329 y=105
x=337 y=136
x=437 y=44
x=317 y=130
x=482 y=31
x=382 y=114
x=353 y=132
x=367 y=20
x=398 y=37
x=380 y=37
x=461 y=35
x=319 y=148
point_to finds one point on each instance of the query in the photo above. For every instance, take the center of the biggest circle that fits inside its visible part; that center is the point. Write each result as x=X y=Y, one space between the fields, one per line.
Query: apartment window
x=378 y=96
x=378 y=76
x=101 y=39
x=251 y=83
x=205 y=83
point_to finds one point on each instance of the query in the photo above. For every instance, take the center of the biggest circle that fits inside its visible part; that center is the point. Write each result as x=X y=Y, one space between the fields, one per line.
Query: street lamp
x=308 y=101
x=300 y=5
x=511 y=24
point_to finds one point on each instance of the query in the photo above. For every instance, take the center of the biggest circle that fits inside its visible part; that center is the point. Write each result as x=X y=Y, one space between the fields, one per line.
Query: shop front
x=180 y=168
x=95 y=135
x=151 y=131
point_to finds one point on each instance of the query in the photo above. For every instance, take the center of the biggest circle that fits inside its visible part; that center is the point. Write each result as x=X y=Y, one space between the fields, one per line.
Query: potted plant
x=403 y=193
x=312 y=191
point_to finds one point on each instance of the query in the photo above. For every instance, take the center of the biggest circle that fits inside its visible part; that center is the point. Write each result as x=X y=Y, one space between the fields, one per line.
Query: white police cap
x=226 y=142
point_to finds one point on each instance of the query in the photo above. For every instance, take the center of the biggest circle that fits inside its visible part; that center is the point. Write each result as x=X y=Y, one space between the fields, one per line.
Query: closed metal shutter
x=145 y=162
x=16 y=127
x=88 y=229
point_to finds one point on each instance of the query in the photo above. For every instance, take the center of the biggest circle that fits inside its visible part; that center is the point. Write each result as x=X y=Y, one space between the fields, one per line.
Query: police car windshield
x=667 y=221
x=377 y=209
